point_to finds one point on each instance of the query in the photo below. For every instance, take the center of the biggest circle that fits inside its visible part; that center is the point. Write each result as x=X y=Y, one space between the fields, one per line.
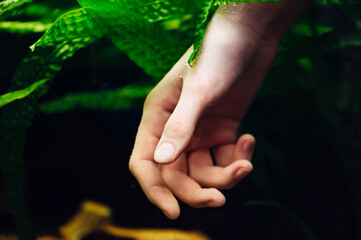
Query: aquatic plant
x=154 y=34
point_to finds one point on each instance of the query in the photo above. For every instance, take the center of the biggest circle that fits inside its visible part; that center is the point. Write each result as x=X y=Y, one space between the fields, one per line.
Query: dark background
x=307 y=158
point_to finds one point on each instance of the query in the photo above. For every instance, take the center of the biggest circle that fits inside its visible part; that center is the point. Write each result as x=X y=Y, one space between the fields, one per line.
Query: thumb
x=179 y=128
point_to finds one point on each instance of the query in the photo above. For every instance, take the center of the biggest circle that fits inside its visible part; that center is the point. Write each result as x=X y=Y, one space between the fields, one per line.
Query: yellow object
x=154 y=234
x=94 y=217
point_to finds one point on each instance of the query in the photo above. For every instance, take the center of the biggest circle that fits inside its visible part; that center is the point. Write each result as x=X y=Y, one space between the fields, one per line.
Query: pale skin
x=194 y=109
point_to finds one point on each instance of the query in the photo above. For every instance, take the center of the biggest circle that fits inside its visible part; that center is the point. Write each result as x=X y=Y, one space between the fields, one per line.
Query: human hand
x=193 y=109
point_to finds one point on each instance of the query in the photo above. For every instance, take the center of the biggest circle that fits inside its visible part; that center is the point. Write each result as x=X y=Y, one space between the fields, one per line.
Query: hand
x=193 y=109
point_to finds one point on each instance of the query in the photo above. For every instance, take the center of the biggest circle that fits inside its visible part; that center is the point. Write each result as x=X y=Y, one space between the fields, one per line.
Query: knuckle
x=175 y=129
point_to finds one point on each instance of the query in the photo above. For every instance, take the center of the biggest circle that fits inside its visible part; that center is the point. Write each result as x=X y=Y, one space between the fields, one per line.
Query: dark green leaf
x=8 y=5
x=141 y=36
x=42 y=63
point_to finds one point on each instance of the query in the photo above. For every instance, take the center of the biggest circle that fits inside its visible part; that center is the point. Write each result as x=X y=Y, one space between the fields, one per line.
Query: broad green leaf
x=161 y=10
x=74 y=26
x=143 y=37
x=109 y=100
x=201 y=26
x=19 y=94
x=24 y=27
x=8 y=5
x=151 y=47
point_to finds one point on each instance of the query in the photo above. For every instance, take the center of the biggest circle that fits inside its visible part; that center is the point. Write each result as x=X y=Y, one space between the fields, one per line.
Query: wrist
x=269 y=20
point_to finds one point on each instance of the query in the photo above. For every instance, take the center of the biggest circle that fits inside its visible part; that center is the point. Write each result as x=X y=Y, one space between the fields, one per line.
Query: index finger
x=146 y=171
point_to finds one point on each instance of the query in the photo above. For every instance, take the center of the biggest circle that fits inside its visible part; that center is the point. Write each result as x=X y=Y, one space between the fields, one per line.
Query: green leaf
x=142 y=36
x=108 y=100
x=203 y=18
x=160 y=10
x=8 y=5
x=24 y=27
x=19 y=94
x=74 y=26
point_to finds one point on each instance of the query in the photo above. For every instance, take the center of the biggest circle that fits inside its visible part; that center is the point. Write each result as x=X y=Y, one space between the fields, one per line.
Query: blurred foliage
x=24 y=27
x=131 y=96
x=16 y=118
x=314 y=87
x=19 y=94
x=154 y=34
x=8 y=5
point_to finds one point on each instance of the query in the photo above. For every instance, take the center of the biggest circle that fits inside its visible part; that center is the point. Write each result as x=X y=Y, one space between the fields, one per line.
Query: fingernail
x=244 y=170
x=239 y=174
x=164 y=153
x=248 y=147
x=165 y=213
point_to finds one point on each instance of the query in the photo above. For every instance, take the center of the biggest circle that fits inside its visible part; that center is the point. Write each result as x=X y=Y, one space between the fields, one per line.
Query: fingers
x=235 y=164
x=188 y=190
x=163 y=98
x=154 y=187
x=243 y=149
x=208 y=175
x=147 y=173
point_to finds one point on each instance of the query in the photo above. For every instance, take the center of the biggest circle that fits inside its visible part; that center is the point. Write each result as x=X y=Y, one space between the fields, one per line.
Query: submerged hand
x=195 y=109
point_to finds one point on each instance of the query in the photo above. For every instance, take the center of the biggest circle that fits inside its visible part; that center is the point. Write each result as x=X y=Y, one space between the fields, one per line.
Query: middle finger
x=187 y=189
